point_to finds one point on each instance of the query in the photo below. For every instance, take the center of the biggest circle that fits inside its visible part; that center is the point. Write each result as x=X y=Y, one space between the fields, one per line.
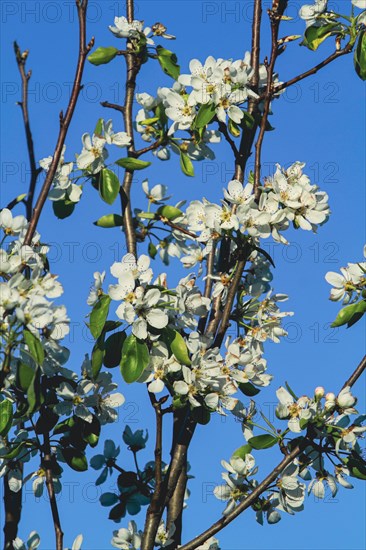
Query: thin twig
x=64 y=120
x=356 y=374
x=275 y=17
x=339 y=53
x=47 y=463
x=21 y=59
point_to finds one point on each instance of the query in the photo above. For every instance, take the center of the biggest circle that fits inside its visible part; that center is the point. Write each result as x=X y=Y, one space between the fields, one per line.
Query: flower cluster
x=350 y=284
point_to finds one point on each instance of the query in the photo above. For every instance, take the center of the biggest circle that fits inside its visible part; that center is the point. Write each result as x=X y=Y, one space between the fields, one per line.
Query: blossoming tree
x=172 y=336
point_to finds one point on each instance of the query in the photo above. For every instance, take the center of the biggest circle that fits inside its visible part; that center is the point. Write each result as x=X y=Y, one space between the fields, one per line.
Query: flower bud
x=330 y=401
x=319 y=392
x=345 y=399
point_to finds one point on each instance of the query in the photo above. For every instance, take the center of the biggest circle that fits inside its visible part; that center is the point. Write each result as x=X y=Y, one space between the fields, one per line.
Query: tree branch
x=339 y=53
x=263 y=486
x=21 y=59
x=64 y=121
x=13 y=510
x=47 y=463
x=275 y=15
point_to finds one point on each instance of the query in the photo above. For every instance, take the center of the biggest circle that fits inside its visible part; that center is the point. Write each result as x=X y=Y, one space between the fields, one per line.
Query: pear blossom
x=74 y=401
x=11 y=225
x=32 y=543
x=136 y=441
x=128 y=270
x=127 y=539
x=105 y=460
x=123 y=29
x=121 y=139
x=93 y=155
x=156 y=194
x=96 y=288
x=311 y=12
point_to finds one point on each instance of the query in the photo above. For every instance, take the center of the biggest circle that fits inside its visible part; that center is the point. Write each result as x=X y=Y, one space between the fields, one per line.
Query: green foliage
x=135 y=358
x=101 y=56
x=109 y=220
x=6 y=416
x=350 y=314
x=108 y=186
x=186 y=164
x=360 y=56
x=34 y=346
x=176 y=344
x=314 y=36
x=113 y=349
x=169 y=212
x=131 y=164
x=99 y=315
x=168 y=62
x=63 y=208
x=264 y=441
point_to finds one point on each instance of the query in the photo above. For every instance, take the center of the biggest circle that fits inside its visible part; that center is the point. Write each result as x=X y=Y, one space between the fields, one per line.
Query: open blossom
x=11 y=225
x=127 y=539
x=348 y=284
x=128 y=271
x=311 y=12
x=93 y=155
x=296 y=411
x=156 y=194
x=140 y=310
x=121 y=139
x=96 y=288
x=123 y=29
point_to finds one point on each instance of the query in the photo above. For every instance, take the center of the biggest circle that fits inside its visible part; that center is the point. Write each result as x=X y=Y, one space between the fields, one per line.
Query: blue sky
x=320 y=122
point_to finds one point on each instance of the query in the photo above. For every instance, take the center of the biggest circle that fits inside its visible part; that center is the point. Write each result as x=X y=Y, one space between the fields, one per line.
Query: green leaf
x=264 y=441
x=186 y=164
x=204 y=116
x=356 y=466
x=15 y=451
x=314 y=36
x=34 y=395
x=113 y=349
x=168 y=62
x=98 y=127
x=149 y=121
x=34 y=346
x=129 y=163
x=75 y=458
x=99 y=315
x=97 y=356
x=347 y=314
x=360 y=310
x=6 y=416
x=233 y=128
x=109 y=220
x=247 y=388
x=25 y=374
x=102 y=55
x=152 y=250
x=291 y=391
x=175 y=342
x=135 y=358
x=242 y=451
x=360 y=56
x=63 y=208
x=108 y=186
x=248 y=120
x=169 y=212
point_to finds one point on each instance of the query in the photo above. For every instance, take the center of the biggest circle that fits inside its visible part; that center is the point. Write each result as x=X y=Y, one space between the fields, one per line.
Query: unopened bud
x=319 y=392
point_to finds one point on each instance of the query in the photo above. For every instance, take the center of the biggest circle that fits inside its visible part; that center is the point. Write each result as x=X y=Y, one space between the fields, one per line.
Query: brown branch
x=256 y=42
x=339 y=53
x=21 y=59
x=356 y=374
x=179 y=456
x=263 y=486
x=159 y=441
x=114 y=106
x=178 y=228
x=13 y=510
x=275 y=15
x=64 y=121
x=224 y=324
x=145 y=150
x=47 y=463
